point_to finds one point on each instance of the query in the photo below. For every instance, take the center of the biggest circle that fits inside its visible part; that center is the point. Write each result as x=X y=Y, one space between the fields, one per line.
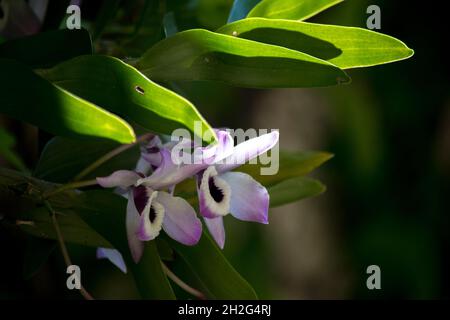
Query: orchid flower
x=221 y=192
x=169 y=172
x=149 y=211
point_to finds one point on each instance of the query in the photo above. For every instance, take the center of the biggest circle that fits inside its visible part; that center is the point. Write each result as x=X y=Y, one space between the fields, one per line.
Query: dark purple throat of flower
x=141 y=198
x=215 y=191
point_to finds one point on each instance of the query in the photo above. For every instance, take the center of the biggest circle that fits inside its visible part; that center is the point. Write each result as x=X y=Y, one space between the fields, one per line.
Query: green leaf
x=26 y=96
x=291 y=9
x=165 y=251
x=48 y=48
x=294 y=189
x=7 y=143
x=145 y=32
x=63 y=158
x=203 y=55
x=120 y=88
x=37 y=252
x=345 y=47
x=214 y=271
x=291 y=164
x=9 y=179
x=39 y=223
x=105 y=212
x=107 y=12
x=93 y=218
x=32 y=217
x=241 y=8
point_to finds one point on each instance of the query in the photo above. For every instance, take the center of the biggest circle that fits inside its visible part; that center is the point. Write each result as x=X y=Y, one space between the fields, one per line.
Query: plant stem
x=109 y=156
x=63 y=247
x=70 y=186
x=196 y=293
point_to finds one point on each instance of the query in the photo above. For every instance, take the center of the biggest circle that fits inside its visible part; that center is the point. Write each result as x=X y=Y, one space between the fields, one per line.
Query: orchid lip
x=214 y=194
x=151 y=214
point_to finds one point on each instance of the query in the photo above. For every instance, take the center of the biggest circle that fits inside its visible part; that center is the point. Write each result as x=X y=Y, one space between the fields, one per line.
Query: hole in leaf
x=139 y=90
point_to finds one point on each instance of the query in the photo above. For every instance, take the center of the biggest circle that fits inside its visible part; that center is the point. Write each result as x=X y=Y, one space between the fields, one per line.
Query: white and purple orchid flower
x=220 y=191
x=149 y=211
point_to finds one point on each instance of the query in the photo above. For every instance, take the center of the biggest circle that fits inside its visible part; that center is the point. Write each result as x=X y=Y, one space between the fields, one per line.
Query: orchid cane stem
x=79 y=184
x=182 y=284
x=70 y=186
x=63 y=247
x=110 y=155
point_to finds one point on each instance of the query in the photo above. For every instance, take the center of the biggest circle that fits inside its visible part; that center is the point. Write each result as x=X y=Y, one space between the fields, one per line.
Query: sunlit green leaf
x=214 y=271
x=345 y=47
x=291 y=9
x=48 y=48
x=120 y=88
x=294 y=189
x=26 y=96
x=203 y=55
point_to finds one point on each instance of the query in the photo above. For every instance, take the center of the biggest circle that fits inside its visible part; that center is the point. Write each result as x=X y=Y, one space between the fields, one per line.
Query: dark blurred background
x=385 y=205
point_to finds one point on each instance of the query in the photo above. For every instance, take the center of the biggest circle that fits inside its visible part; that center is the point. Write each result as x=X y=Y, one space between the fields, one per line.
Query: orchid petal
x=151 y=152
x=114 y=256
x=219 y=151
x=180 y=220
x=120 y=178
x=154 y=142
x=249 y=199
x=132 y=224
x=217 y=230
x=213 y=194
x=18 y=19
x=153 y=159
x=248 y=150
x=143 y=166
x=169 y=173
x=182 y=143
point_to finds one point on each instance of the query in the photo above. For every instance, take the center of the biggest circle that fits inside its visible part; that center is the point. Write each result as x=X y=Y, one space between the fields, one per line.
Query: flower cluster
x=152 y=206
